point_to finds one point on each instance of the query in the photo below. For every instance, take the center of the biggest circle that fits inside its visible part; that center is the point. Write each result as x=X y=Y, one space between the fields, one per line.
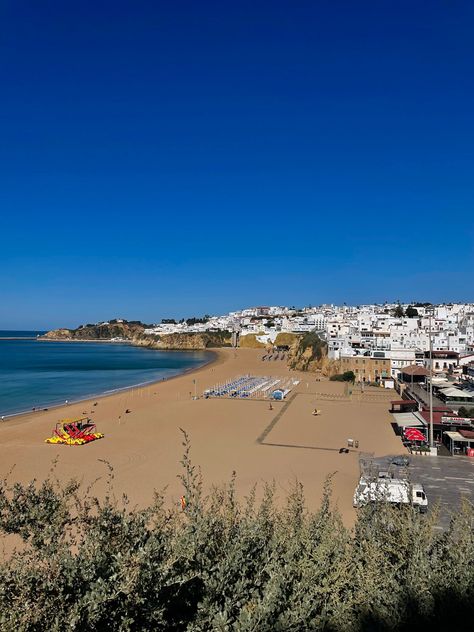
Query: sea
x=36 y=374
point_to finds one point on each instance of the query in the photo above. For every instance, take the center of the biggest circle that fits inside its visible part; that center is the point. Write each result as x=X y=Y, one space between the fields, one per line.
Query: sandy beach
x=144 y=447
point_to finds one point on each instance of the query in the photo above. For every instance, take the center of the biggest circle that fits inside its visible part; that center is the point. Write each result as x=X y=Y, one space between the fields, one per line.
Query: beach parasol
x=413 y=434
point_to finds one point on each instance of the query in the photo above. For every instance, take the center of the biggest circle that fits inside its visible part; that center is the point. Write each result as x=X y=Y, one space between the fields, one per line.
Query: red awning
x=413 y=434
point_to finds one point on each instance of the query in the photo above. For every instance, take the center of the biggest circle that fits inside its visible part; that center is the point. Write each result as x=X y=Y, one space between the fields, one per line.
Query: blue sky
x=170 y=159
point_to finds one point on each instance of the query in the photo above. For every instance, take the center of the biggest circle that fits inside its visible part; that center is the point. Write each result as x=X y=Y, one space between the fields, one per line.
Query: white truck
x=391 y=490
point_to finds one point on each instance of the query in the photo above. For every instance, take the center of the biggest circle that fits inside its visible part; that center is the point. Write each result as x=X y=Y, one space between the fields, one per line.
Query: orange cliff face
x=123 y=330
x=185 y=341
x=133 y=332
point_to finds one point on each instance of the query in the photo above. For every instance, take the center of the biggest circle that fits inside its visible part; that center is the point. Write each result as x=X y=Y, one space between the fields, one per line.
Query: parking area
x=445 y=479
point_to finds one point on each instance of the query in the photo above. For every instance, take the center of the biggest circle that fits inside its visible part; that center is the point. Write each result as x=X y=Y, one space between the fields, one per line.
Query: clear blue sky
x=175 y=158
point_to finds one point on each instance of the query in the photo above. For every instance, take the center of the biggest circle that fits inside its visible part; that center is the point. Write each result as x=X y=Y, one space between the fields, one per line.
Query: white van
x=390 y=490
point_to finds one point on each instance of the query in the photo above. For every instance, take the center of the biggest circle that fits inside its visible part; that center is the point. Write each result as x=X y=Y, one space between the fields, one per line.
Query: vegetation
x=411 y=312
x=317 y=345
x=347 y=376
x=466 y=412
x=224 y=565
x=310 y=349
x=195 y=321
x=398 y=311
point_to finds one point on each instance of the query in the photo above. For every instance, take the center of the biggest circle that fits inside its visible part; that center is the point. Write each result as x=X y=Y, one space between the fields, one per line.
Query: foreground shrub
x=225 y=565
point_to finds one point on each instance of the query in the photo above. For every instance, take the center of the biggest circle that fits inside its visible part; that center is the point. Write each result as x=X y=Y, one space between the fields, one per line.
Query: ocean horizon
x=36 y=374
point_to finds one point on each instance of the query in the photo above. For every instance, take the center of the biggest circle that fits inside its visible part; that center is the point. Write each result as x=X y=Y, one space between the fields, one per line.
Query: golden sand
x=144 y=447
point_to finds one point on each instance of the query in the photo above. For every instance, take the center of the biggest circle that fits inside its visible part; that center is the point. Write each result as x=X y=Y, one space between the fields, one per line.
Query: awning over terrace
x=405 y=420
x=457 y=443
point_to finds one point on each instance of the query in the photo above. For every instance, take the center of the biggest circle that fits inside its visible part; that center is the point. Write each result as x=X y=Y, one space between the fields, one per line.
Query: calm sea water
x=40 y=374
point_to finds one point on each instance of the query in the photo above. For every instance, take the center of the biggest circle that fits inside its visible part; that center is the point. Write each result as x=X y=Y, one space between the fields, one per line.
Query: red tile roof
x=414 y=369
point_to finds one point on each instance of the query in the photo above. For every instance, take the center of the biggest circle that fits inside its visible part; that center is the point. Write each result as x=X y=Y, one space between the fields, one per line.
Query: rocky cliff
x=250 y=341
x=309 y=353
x=133 y=332
x=124 y=330
x=185 y=341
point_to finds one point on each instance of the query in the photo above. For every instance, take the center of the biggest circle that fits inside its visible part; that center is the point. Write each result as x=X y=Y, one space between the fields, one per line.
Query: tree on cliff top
x=411 y=312
x=398 y=311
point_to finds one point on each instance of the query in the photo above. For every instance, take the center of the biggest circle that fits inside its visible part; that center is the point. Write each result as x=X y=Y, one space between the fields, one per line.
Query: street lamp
x=431 y=382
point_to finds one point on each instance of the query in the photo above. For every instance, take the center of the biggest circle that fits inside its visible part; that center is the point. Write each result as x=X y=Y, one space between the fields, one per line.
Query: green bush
x=411 y=312
x=347 y=376
x=224 y=565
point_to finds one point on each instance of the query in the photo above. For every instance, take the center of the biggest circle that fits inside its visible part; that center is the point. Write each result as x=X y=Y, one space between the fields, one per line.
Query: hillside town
x=397 y=333
x=423 y=351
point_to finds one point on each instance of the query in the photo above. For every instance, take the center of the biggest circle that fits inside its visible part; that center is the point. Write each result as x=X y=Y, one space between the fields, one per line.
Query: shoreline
x=144 y=446
x=106 y=394
x=104 y=340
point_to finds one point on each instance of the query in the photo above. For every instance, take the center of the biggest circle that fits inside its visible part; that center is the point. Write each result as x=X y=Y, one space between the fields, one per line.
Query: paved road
x=445 y=479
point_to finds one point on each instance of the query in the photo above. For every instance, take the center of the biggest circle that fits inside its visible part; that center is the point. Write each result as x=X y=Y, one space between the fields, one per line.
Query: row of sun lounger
x=258 y=387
